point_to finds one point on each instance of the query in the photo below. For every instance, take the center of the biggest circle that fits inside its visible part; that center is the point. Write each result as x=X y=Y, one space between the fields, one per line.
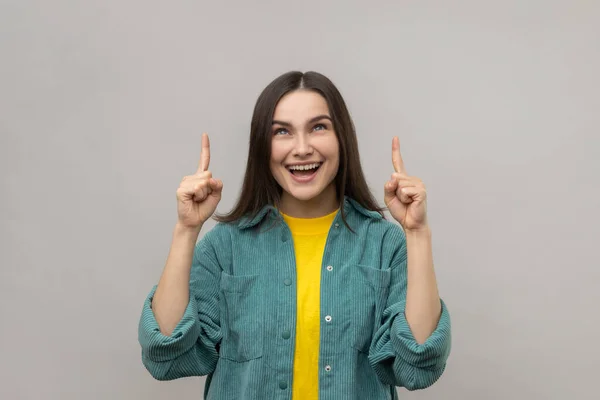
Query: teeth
x=304 y=167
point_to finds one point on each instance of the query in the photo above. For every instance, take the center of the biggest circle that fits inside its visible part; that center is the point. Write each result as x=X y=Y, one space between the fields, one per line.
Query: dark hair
x=260 y=187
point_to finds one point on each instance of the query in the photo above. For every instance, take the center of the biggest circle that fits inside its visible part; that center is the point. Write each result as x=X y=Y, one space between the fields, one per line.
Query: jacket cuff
x=433 y=353
x=160 y=348
x=395 y=339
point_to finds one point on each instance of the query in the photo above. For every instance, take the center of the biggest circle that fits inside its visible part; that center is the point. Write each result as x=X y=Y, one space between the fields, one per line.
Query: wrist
x=183 y=231
x=418 y=233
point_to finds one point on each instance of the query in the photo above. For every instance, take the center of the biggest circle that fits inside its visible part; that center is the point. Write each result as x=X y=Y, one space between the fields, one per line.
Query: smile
x=304 y=173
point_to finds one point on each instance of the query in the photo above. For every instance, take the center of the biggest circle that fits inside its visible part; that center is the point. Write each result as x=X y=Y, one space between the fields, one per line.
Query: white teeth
x=304 y=167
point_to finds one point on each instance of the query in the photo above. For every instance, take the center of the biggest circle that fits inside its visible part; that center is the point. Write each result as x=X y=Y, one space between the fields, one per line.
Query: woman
x=303 y=290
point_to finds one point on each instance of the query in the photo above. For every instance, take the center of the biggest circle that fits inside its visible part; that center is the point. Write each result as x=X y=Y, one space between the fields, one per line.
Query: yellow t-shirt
x=309 y=235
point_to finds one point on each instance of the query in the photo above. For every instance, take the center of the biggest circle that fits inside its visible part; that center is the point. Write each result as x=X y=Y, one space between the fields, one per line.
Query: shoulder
x=377 y=228
x=218 y=238
x=383 y=236
x=370 y=221
x=392 y=230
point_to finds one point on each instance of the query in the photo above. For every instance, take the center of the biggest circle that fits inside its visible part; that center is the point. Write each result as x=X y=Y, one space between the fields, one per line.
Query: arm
x=172 y=293
x=179 y=332
x=423 y=306
x=396 y=355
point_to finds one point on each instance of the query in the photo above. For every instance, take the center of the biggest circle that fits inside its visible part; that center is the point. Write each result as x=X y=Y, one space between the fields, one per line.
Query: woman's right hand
x=198 y=194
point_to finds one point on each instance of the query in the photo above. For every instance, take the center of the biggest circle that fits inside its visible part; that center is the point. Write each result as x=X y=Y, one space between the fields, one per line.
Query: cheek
x=277 y=158
x=275 y=168
x=275 y=155
x=336 y=158
x=334 y=152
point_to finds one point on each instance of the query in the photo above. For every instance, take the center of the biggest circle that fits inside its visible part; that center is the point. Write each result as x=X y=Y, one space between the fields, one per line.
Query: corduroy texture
x=243 y=304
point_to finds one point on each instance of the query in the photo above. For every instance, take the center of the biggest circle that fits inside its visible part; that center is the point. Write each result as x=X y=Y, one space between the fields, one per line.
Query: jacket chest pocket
x=369 y=297
x=241 y=310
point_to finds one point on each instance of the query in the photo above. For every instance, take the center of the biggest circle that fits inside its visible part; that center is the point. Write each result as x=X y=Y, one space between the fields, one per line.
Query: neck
x=319 y=206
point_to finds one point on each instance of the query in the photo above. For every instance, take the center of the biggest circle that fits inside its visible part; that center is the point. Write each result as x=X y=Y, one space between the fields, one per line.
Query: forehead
x=300 y=105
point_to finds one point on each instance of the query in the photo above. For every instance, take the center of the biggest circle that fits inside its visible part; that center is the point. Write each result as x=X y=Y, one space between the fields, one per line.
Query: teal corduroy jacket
x=239 y=326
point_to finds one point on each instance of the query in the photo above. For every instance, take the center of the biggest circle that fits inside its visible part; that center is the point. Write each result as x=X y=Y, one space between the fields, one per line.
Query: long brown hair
x=260 y=187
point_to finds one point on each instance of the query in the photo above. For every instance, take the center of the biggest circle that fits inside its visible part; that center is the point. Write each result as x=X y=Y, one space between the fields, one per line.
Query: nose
x=302 y=146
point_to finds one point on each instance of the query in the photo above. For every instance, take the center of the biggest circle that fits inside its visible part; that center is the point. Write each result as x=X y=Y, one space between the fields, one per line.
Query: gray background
x=102 y=105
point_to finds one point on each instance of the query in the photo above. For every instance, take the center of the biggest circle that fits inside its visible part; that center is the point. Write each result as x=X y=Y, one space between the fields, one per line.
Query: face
x=304 y=152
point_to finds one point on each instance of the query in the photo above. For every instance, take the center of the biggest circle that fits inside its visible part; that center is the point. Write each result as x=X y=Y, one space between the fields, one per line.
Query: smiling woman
x=305 y=155
x=299 y=119
x=304 y=290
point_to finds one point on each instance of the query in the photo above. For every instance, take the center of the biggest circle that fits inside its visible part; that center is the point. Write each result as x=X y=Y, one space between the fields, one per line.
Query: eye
x=280 y=131
x=319 y=127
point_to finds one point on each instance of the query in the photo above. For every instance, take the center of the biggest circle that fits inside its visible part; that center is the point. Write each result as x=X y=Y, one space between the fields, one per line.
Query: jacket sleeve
x=192 y=348
x=395 y=355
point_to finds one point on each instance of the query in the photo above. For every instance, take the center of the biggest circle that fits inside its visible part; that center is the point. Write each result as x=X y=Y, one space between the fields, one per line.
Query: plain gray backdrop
x=102 y=106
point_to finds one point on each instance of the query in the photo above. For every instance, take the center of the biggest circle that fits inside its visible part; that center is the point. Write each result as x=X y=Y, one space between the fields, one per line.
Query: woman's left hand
x=405 y=196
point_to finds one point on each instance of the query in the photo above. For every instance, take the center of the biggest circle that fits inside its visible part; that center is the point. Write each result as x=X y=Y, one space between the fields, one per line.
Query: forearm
x=172 y=294
x=423 y=307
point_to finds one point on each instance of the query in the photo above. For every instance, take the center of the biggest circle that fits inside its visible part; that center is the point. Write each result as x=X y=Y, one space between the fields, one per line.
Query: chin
x=305 y=195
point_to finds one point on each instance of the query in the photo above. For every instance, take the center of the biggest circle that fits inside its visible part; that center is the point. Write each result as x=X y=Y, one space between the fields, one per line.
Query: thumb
x=389 y=190
x=217 y=187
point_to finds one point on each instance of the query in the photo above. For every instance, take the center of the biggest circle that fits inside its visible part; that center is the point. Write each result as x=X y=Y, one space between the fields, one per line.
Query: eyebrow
x=312 y=120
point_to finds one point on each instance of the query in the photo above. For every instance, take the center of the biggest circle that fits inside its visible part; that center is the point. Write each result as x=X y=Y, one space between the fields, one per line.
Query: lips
x=304 y=173
x=304 y=166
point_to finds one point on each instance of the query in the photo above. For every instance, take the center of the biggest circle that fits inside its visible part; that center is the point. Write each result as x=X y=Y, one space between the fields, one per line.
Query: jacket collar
x=350 y=205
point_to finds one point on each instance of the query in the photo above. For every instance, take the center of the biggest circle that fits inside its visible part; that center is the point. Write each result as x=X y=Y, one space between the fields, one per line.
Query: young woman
x=304 y=290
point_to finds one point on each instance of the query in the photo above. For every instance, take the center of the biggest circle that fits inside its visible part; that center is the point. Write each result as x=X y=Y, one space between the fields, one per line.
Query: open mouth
x=304 y=170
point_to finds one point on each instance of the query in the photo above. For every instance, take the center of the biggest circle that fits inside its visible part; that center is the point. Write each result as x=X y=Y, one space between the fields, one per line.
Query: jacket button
x=286 y=335
x=287 y=282
x=282 y=385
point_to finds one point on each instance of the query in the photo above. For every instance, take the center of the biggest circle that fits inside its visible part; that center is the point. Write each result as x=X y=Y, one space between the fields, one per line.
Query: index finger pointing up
x=205 y=155
x=397 y=157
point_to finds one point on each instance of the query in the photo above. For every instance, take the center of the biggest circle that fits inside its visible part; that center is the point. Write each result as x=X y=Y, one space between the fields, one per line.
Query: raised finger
x=205 y=155
x=397 y=157
x=406 y=180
